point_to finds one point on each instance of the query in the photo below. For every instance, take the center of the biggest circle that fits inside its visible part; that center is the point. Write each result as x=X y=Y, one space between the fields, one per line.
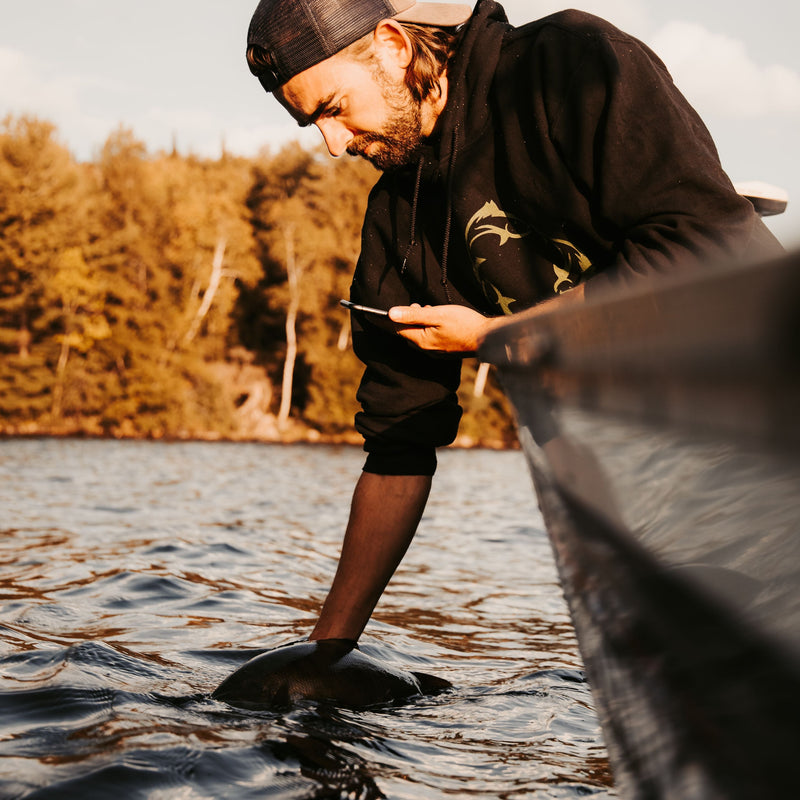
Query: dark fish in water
x=332 y=670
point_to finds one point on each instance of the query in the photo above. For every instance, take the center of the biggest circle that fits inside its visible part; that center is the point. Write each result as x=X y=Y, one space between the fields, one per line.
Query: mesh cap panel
x=300 y=33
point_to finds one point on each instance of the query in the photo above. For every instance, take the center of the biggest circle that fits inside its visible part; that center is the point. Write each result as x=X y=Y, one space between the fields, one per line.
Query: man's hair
x=432 y=50
x=259 y=59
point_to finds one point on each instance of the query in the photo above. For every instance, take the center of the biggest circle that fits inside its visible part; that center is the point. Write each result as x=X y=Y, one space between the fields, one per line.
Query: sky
x=174 y=71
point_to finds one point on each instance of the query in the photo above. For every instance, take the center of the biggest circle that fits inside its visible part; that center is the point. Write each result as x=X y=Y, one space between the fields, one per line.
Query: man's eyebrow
x=305 y=120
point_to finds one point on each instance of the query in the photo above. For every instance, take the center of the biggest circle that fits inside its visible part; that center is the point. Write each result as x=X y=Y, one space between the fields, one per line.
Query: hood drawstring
x=414 y=206
x=448 y=219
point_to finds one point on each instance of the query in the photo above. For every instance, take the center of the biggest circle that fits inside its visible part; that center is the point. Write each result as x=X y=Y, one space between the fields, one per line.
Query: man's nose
x=336 y=135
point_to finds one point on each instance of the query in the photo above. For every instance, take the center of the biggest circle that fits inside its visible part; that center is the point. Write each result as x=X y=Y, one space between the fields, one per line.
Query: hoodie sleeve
x=408 y=396
x=640 y=154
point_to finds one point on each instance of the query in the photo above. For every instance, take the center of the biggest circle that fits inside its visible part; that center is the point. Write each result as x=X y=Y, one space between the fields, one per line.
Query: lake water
x=135 y=576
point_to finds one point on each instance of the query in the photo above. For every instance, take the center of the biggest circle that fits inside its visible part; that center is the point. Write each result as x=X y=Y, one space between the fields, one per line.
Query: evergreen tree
x=42 y=208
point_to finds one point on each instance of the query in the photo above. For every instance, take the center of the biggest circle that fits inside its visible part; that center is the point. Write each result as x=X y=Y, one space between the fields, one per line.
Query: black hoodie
x=564 y=152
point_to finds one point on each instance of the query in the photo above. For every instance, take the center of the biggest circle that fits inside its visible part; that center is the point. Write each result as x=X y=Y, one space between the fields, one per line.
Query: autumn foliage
x=167 y=296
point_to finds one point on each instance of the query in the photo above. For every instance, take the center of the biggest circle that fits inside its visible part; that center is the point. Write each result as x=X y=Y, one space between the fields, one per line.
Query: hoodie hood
x=465 y=115
x=470 y=78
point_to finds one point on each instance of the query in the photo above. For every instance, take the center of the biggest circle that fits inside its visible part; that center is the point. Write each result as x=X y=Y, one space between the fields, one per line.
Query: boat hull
x=662 y=429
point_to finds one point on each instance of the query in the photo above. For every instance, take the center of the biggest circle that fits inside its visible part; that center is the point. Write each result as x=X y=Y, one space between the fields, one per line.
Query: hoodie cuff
x=408 y=461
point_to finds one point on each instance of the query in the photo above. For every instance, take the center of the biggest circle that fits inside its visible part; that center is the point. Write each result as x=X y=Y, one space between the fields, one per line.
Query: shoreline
x=294 y=434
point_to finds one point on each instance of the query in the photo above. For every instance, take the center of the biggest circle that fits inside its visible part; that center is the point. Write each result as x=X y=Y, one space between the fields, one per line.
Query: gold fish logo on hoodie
x=569 y=263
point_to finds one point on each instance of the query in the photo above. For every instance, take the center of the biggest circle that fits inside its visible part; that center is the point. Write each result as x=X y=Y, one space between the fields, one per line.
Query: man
x=518 y=163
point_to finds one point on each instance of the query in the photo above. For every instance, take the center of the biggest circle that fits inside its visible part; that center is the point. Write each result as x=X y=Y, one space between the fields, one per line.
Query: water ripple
x=135 y=576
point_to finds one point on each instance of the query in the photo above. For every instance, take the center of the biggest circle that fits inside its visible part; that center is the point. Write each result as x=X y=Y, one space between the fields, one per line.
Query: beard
x=400 y=140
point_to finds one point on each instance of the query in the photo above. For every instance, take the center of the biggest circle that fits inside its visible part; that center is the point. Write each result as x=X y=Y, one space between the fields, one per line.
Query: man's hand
x=445 y=329
x=458 y=329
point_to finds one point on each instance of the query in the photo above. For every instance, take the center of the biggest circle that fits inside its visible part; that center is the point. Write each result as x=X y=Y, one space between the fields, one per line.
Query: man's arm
x=386 y=509
x=384 y=515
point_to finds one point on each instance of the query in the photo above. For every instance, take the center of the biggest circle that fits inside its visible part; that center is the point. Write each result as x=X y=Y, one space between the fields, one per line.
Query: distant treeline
x=167 y=296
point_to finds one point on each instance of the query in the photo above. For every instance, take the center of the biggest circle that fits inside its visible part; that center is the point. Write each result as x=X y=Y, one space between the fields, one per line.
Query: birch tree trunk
x=480 y=379
x=208 y=297
x=61 y=368
x=292 y=271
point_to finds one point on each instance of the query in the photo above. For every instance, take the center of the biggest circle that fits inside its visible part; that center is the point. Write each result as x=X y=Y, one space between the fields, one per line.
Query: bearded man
x=522 y=167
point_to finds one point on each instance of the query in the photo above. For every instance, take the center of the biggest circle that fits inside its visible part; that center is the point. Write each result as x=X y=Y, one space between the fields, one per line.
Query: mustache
x=360 y=143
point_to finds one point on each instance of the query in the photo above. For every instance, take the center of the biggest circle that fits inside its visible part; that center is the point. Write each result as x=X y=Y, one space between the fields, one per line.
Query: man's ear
x=392 y=44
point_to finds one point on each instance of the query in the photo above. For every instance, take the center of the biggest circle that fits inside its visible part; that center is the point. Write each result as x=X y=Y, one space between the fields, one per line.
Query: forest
x=168 y=296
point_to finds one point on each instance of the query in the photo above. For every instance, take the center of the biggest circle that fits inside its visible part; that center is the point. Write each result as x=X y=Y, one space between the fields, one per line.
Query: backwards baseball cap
x=293 y=35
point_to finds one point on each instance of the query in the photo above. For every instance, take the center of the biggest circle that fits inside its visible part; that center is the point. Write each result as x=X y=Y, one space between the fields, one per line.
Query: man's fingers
x=411 y=315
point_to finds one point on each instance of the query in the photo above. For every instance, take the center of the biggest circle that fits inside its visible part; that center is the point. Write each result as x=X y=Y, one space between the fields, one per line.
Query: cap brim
x=445 y=15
